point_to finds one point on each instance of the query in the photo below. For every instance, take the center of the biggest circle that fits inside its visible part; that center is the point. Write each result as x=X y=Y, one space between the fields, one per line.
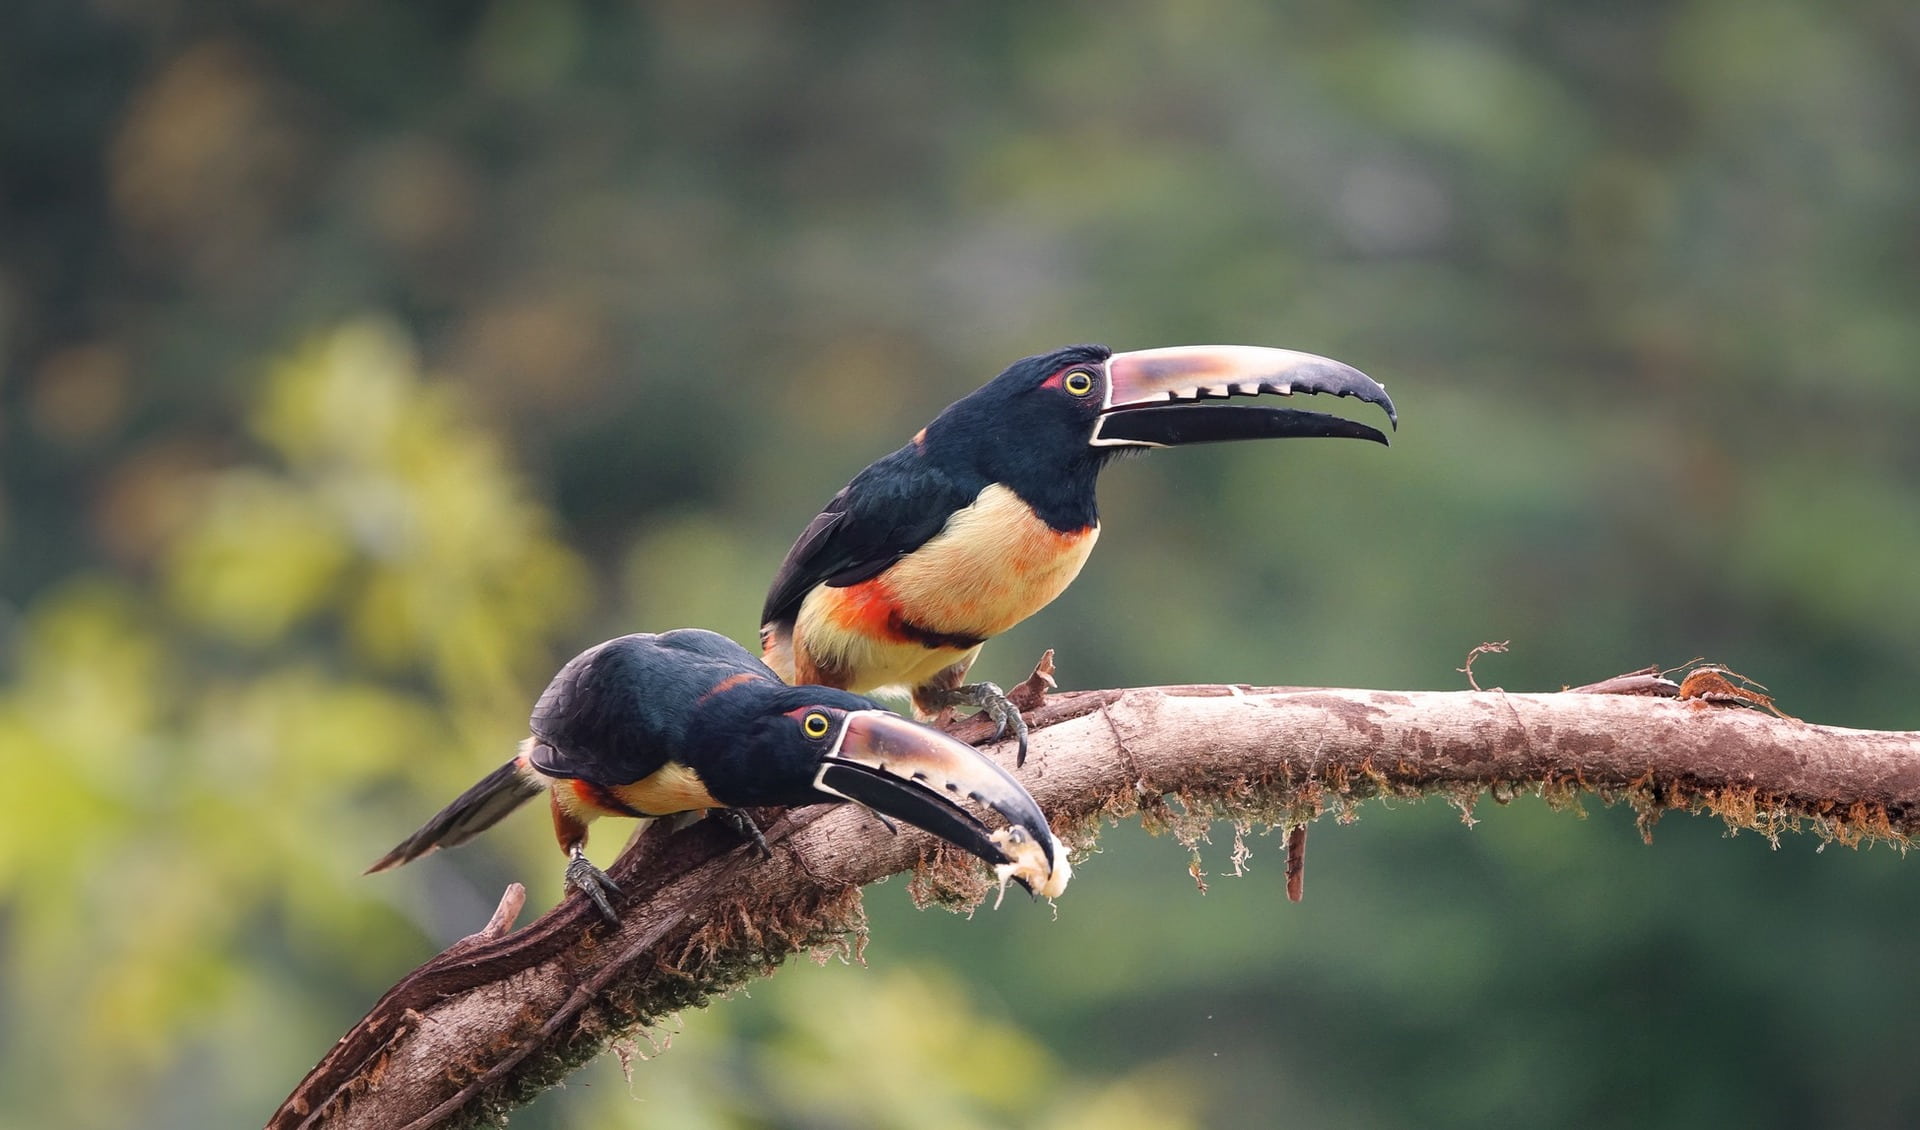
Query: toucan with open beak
x=988 y=513
x=651 y=725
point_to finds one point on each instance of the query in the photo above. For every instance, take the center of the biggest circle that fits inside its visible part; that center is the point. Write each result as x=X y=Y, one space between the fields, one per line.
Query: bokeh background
x=363 y=361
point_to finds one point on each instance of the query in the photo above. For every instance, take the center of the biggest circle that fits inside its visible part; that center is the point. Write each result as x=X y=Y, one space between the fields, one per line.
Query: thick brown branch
x=487 y=1024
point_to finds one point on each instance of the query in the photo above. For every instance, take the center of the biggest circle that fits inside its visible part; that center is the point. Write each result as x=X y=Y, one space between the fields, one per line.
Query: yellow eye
x=1079 y=382
x=815 y=725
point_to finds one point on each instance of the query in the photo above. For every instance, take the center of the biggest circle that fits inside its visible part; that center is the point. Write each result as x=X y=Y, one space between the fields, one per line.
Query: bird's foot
x=589 y=880
x=994 y=703
x=745 y=828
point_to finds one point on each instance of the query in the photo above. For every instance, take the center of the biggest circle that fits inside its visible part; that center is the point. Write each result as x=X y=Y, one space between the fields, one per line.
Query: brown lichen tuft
x=950 y=879
x=1863 y=822
x=1242 y=854
x=1562 y=791
x=1463 y=798
x=1715 y=684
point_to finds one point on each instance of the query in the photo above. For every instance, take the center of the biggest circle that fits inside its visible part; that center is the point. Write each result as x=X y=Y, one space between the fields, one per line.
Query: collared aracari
x=988 y=513
x=652 y=725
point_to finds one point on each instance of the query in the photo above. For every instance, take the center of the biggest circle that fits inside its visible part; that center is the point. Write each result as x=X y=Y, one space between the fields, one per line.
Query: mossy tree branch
x=484 y=1026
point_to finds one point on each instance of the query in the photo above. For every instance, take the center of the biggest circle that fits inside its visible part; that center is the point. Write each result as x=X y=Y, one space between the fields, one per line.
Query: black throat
x=1033 y=449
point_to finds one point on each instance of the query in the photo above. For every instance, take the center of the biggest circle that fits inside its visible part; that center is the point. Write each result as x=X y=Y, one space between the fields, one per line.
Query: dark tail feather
x=473 y=812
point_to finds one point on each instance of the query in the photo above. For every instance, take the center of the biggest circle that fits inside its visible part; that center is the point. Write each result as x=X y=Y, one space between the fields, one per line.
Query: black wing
x=889 y=510
x=618 y=711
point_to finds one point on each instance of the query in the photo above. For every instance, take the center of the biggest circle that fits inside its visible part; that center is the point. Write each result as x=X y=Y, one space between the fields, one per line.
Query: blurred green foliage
x=363 y=361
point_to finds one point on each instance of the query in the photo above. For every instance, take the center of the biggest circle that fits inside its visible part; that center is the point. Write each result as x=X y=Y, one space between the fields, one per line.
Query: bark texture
x=484 y=1026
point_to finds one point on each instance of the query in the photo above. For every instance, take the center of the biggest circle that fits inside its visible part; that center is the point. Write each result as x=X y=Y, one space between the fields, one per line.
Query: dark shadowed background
x=363 y=361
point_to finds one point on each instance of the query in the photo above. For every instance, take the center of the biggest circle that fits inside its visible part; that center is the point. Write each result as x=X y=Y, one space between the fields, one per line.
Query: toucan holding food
x=651 y=725
x=988 y=513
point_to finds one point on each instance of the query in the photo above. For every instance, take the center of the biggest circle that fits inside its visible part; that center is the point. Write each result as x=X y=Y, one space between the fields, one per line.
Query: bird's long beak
x=918 y=775
x=1156 y=397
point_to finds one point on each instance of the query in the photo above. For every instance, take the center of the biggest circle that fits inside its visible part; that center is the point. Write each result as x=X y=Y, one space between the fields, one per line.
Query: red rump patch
x=866 y=608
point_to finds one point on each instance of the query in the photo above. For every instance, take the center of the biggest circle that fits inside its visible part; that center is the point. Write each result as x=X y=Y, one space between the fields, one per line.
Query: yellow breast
x=994 y=564
x=672 y=788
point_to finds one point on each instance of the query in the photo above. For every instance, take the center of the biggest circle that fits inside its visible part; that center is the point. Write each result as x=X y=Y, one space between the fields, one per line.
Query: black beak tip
x=1373 y=392
x=1348 y=381
x=1342 y=427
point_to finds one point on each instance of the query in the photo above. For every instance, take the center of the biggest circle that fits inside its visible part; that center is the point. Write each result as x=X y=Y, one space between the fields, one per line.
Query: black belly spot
x=904 y=629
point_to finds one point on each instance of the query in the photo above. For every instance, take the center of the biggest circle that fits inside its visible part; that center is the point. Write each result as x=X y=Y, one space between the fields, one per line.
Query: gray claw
x=745 y=828
x=994 y=703
x=589 y=880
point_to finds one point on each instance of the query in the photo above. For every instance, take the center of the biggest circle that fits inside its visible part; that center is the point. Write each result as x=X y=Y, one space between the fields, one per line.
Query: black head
x=760 y=743
x=1029 y=428
x=1047 y=425
x=1048 y=400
